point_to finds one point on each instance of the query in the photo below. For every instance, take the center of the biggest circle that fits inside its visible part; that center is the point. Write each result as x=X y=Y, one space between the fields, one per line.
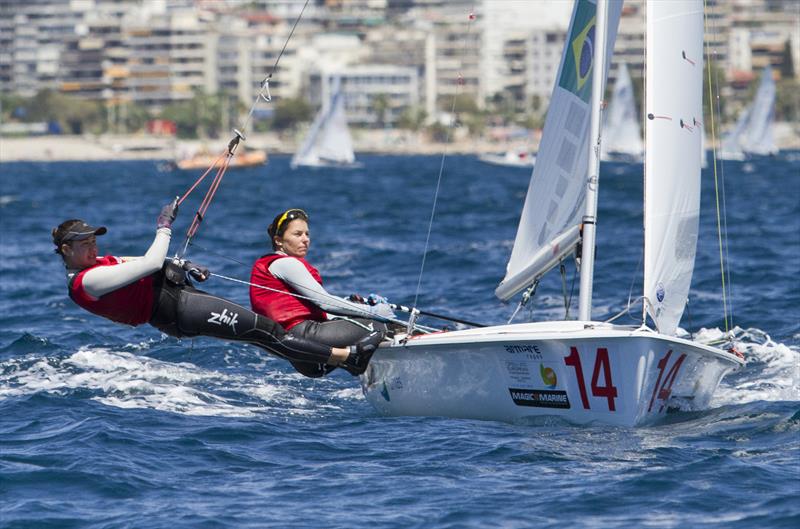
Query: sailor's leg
x=338 y=332
x=201 y=314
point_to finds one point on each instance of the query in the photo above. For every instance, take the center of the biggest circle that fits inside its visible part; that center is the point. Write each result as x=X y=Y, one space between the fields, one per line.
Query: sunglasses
x=290 y=215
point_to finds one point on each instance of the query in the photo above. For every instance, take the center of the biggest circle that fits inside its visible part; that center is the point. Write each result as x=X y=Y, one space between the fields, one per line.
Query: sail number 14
x=661 y=390
x=601 y=362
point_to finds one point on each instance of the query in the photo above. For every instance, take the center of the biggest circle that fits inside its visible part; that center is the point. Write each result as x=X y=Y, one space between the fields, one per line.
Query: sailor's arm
x=292 y=272
x=104 y=279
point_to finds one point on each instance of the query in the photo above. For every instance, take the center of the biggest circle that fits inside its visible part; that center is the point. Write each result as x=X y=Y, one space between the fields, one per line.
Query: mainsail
x=672 y=164
x=621 y=132
x=328 y=141
x=550 y=221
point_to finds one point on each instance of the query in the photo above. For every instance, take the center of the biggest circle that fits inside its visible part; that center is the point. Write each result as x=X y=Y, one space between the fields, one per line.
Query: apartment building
x=362 y=85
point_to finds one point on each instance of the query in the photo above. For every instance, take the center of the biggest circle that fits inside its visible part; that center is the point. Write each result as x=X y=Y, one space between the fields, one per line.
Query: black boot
x=360 y=353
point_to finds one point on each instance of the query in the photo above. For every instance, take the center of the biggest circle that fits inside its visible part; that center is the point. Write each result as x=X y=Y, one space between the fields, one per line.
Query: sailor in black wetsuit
x=150 y=289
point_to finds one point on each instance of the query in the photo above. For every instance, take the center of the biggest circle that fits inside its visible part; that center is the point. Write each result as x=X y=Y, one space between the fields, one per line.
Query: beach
x=147 y=147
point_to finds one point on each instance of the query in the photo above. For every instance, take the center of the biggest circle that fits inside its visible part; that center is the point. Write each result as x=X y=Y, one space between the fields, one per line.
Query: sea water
x=106 y=426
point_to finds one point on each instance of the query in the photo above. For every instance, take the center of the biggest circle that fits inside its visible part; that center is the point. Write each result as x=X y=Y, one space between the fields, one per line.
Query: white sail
x=622 y=134
x=731 y=147
x=758 y=137
x=328 y=141
x=672 y=162
x=548 y=227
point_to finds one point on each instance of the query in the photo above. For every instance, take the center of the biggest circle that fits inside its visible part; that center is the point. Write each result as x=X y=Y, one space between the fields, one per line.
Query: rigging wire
x=364 y=312
x=721 y=212
x=227 y=155
x=453 y=124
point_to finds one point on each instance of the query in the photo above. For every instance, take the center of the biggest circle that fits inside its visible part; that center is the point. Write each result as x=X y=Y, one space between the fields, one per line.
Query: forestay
x=672 y=164
x=549 y=225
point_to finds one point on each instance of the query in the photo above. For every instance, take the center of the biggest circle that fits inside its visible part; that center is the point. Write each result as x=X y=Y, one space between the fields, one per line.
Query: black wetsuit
x=181 y=310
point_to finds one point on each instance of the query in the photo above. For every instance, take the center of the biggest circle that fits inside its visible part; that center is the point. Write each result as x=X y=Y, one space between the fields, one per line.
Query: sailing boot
x=361 y=352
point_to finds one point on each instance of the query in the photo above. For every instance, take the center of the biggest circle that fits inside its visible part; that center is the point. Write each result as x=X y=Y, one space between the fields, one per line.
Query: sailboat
x=622 y=135
x=328 y=142
x=584 y=370
x=511 y=158
x=752 y=134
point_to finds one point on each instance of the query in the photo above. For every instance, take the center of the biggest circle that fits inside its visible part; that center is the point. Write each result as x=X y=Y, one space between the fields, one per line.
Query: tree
x=412 y=118
x=787 y=61
x=380 y=106
x=290 y=112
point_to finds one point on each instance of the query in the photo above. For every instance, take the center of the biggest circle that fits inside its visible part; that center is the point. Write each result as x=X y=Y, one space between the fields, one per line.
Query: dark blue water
x=103 y=426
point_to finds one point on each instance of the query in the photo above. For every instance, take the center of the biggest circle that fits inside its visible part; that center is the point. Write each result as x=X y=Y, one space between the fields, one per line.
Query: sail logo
x=224 y=318
x=578 y=59
x=548 y=376
x=660 y=292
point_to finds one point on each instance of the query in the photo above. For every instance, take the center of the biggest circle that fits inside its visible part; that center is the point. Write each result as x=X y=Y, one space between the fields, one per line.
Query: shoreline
x=52 y=148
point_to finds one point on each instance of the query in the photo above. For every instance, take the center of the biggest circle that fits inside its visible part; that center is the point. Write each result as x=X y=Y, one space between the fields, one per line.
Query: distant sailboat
x=752 y=134
x=328 y=142
x=518 y=158
x=622 y=135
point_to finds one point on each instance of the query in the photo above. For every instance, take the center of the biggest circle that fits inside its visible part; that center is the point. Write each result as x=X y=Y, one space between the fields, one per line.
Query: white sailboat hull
x=601 y=373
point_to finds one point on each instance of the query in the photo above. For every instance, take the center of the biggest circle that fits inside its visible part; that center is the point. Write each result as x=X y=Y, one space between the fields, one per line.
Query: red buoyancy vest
x=286 y=309
x=131 y=304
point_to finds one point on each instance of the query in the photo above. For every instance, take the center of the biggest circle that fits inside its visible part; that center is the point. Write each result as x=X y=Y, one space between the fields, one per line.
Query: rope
x=716 y=179
x=441 y=163
x=228 y=154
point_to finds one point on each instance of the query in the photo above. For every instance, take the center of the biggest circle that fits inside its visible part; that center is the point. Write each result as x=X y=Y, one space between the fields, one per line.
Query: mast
x=593 y=172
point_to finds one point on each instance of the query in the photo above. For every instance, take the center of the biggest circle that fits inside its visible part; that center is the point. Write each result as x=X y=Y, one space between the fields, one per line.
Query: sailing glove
x=198 y=272
x=168 y=214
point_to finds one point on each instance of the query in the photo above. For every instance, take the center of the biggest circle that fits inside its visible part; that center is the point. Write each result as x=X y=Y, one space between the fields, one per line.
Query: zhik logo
x=225 y=318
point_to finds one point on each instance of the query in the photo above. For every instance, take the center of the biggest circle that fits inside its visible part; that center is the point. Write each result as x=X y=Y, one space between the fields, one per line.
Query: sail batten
x=672 y=162
x=556 y=194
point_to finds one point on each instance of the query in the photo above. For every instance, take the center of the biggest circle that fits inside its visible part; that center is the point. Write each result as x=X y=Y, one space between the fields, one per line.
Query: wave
x=126 y=380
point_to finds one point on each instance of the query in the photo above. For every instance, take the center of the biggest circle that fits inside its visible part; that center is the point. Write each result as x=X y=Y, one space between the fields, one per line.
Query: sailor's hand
x=357 y=298
x=376 y=299
x=168 y=214
x=198 y=272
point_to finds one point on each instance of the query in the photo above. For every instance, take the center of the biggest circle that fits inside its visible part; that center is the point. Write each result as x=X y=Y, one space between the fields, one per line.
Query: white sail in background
x=752 y=133
x=758 y=137
x=328 y=141
x=622 y=135
x=549 y=225
x=672 y=163
x=731 y=147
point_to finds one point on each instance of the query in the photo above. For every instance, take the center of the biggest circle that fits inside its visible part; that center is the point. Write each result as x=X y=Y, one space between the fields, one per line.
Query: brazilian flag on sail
x=576 y=73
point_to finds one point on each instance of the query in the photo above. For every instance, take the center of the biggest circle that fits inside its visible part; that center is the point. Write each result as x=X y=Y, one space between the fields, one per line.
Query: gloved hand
x=357 y=298
x=198 y=272
x=376 y=299
x=168 y=214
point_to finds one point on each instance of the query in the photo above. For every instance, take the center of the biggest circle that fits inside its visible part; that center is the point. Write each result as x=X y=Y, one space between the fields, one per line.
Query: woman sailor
x=149 y=289
x=288 y=289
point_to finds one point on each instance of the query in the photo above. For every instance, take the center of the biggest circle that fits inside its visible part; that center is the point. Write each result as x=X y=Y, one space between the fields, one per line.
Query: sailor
x=288 y=289
x=155 y=290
